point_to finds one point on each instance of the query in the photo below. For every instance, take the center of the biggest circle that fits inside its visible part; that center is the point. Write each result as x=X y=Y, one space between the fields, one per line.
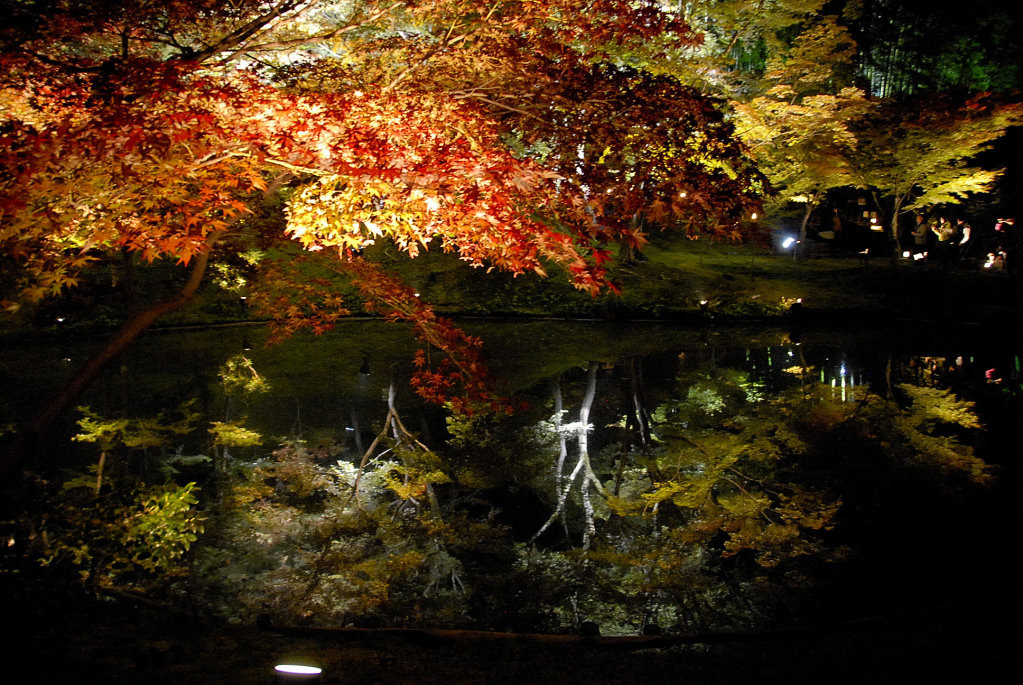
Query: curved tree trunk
x=27 y=441
x=810 y=205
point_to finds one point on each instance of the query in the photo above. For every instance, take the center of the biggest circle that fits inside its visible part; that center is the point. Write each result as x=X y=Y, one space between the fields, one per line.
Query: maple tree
x=159 y=129
x=917 y=154
x=798 y=127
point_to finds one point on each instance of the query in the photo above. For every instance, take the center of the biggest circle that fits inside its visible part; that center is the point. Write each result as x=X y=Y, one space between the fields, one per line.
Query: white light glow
x=789 y=242
x=295 y=668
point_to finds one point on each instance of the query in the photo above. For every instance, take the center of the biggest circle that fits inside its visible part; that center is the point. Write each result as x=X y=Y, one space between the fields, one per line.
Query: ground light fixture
x=297 y=673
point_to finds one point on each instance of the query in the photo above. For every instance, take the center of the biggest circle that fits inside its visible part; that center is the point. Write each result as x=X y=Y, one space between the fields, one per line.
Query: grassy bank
x=701 y=280
x=687 y=281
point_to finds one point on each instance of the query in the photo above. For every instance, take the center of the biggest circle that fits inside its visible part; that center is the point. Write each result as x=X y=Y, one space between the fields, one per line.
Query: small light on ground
x=297 y=673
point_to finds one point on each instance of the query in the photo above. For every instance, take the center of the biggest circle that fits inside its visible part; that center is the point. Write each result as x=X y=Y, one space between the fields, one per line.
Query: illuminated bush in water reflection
x=724 y=516
x=717 y=499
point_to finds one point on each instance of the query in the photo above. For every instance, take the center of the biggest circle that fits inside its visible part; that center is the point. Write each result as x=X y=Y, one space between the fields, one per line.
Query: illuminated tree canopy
x=509 y=135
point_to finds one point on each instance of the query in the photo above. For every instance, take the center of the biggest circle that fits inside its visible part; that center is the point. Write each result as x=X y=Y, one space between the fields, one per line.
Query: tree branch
x=27 y=441
x=299 y=42
x=241 y=34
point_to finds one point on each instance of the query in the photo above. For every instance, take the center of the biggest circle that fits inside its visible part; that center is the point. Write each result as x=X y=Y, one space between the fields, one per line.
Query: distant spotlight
x=905 y=255
x=789 y=242
x=918 y=256
x=682 y=194
x=295 y=673
x=753 y=216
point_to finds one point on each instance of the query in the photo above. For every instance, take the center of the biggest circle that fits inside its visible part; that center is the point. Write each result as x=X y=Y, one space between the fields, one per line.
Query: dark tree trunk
x=26 y=443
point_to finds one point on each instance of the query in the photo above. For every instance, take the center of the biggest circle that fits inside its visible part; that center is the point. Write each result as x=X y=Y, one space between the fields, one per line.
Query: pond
x=652 y=477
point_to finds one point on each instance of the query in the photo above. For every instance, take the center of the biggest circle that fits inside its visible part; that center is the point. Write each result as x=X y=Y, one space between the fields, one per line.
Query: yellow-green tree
x=923 y=152
x=798 y=124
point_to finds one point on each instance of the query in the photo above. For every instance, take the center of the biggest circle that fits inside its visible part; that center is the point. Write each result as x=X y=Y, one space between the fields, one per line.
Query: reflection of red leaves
x=460 y=378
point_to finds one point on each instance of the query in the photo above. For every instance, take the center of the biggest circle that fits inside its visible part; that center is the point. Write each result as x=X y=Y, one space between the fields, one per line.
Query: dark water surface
x=932 y=543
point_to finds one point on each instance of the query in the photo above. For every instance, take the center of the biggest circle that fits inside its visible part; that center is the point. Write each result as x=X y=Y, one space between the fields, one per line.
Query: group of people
x=953 y=242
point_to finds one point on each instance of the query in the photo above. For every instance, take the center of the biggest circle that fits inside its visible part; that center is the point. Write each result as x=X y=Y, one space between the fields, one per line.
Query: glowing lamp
x=788 y=242
x=918 y=256
x=297 y=673
x=753 y=216
x=905 y=255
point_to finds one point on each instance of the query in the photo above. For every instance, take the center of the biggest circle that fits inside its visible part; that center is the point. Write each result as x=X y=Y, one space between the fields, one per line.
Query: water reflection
x=651 y=475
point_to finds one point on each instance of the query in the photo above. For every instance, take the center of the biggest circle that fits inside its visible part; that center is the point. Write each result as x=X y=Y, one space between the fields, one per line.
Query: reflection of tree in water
x=710 y=502
x=675 y=490
x=730 y=506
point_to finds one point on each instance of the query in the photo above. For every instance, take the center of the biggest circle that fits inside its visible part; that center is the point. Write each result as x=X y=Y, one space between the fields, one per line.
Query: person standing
x=836 y=228
x=1010 y=242
x=943 y=231
x=919 y=233
x=963 y=247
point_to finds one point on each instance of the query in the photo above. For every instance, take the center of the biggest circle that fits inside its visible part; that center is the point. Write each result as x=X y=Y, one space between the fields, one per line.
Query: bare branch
x=309 y=40
x=246 y=31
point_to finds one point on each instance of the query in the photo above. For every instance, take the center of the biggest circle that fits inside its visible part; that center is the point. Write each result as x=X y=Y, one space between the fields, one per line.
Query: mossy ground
x=691 y=280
